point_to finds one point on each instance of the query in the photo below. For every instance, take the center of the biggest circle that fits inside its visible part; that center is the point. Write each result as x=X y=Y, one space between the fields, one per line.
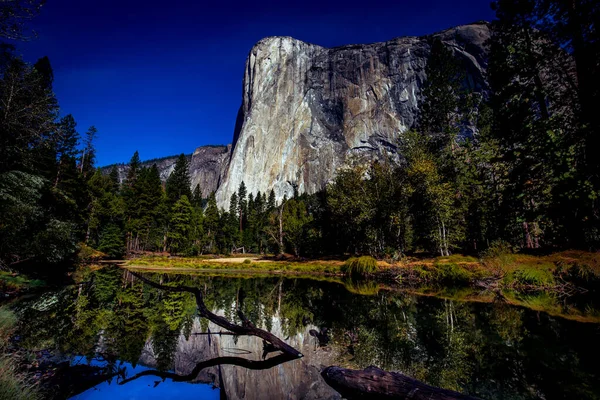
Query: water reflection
x=490 y=350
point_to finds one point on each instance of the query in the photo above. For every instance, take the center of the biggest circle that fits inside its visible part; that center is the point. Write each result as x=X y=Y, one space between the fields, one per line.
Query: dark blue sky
x=164 y=77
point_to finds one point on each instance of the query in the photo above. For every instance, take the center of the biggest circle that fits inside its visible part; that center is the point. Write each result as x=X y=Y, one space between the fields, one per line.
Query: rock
x=306 y=108
x=207 y=165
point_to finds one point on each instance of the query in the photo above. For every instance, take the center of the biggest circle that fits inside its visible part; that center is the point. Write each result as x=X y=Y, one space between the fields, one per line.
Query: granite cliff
x=306 y=108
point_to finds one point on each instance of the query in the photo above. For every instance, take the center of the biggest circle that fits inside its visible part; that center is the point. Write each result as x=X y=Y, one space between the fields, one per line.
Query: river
x=152 y=340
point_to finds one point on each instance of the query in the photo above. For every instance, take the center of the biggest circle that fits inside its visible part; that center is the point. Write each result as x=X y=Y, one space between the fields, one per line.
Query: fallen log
x=246 y=329
x=375 y=383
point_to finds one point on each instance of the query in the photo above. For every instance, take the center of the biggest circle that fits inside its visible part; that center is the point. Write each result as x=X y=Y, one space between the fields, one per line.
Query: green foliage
x=179 y=227
x=13 y=384
x=451 y=273
x=179 y=183
x=112 y=241
x=533 y=276
x=359 y=266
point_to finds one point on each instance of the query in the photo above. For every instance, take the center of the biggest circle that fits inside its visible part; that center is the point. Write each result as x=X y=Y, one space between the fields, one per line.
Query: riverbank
x=13 y=284
x=566 y=272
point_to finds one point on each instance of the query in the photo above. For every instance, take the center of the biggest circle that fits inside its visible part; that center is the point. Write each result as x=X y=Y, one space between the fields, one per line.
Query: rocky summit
x=306 y=109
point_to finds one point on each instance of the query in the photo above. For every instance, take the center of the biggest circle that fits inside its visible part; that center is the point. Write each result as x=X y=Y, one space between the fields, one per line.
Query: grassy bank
x=12 y=284
x=247 y=264
x=565 y=271
x=14 y=385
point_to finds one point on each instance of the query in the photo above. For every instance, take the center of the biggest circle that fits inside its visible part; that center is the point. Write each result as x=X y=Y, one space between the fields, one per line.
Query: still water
x=154 y=345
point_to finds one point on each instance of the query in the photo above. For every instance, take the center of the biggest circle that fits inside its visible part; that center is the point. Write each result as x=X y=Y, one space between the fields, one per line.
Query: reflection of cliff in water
x=295 y=379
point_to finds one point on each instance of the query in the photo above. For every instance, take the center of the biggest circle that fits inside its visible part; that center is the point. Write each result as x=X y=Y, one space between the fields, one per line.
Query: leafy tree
x=295 y=221
x=15 y=14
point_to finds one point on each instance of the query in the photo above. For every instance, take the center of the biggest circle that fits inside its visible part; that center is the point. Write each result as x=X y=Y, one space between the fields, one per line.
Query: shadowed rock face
x=306 y=108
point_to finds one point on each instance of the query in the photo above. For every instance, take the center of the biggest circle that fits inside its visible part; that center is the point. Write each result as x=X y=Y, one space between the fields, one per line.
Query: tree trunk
x=281 y=229
x=374 y=383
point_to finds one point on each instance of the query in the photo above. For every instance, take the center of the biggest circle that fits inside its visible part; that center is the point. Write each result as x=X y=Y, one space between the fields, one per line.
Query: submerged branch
x=239 y=361
x=247 y=329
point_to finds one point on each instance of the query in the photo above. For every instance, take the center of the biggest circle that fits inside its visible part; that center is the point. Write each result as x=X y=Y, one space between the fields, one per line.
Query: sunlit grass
x=359 y=266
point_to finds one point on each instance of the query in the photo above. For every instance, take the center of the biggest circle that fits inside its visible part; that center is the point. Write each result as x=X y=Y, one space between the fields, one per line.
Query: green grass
x=359 y=266
x=361 y=287
x=310 y=267
x=13 y=384
x=10 y=282
x=527 y=275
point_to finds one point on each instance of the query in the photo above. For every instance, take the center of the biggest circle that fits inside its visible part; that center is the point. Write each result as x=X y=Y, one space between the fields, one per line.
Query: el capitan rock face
x=306 y=108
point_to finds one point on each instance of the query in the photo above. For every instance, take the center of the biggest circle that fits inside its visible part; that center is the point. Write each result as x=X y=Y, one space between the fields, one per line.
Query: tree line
x=528 y=177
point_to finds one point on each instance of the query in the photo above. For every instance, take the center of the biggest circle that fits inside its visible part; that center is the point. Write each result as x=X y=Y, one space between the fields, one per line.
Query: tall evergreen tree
x=180 y=226
x=179 y=182
x=197 y=199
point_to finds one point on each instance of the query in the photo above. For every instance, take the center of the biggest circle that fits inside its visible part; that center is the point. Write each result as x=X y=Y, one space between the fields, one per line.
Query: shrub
x=453 y=273
x=359 y=266
x=247 y=261
x=499 y=254
x=533 y=276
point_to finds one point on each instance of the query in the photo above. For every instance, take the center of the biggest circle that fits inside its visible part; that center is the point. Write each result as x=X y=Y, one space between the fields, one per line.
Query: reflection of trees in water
x=490 y=350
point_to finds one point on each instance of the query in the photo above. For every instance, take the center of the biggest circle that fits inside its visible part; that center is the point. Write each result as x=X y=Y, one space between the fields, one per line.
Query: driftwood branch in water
x=375 y=383
x=247 y=329
x=239 y=361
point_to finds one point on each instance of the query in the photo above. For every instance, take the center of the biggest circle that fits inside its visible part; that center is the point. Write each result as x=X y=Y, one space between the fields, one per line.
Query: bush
x=500 y=255
x=360 y=266
x=453 y=273
x=497 y=248
x=247 y=261
x=533 y=276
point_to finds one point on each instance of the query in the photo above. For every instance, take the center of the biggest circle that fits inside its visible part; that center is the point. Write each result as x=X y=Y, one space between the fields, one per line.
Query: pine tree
x=114 y=179
x=211 y=221
x=65 y=145
x=439 y=114
x=242 y=205
x=180 y=225
x=179 y=182
x=134 y=169
x=271 y=203
x=86 y=165
x=197 y=199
